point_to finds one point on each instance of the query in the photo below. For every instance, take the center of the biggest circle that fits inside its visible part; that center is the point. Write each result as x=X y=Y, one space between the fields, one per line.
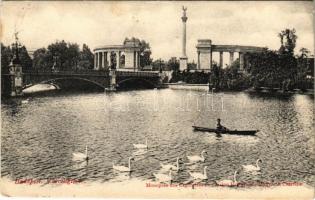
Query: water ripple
x=39 y=137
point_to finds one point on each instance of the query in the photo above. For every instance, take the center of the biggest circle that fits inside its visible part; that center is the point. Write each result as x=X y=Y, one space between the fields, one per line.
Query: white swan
x=163 y=177
x=142 y=146
x=81 y=156
x=170 y=166
x=228 y=182
x=124 y=168
x=199 y=176
x=250 y=168
x=197 y=158
x=26 y=100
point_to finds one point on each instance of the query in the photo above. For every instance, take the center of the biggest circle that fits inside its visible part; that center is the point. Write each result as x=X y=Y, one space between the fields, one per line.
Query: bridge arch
x=63 y=78
x=133 y=79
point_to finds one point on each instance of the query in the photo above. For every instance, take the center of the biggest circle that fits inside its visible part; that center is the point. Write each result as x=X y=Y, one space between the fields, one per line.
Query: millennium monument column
x=183 y=59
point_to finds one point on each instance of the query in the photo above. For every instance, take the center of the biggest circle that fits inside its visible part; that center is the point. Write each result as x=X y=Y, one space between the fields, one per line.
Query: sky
x=159 y=23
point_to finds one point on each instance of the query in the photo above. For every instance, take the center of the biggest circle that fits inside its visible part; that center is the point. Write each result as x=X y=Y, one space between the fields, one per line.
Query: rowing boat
x=232 y=132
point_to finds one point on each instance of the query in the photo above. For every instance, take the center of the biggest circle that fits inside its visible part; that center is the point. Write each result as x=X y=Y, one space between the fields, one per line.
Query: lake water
x=39 y=135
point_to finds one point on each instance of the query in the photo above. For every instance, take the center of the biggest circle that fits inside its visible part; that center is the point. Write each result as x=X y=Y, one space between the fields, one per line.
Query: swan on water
x=163 y=177
x=197 y=158
x=142 y=146
x=81 y=156
x=250 y=168
x=228 y=182
x=124 y=168
x=199 y=176
x=170 y=166
x=26 y=100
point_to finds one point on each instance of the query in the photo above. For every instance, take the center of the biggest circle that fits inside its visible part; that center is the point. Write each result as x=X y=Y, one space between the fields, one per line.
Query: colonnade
x=205 y=48
x=205 y=59
x=102 y=59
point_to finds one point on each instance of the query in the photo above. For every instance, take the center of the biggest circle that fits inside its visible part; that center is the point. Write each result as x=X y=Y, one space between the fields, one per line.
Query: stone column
x=241 y=55
x=246 y=61
x=198 y=64
x=112 y=81
x=16 y=79
x=101 y=60
x=139 y=60
x=221 y=59
x=108 y=58
x=183 y=59
x=118 y=59
x=136 y=55
x=95 y=60
x=231 y=58
x=103 y=63
x=129 y=58
x=210 y=58
x=184 y=39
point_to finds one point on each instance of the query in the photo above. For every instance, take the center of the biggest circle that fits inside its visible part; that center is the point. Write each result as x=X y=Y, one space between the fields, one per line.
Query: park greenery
x=274 y=69
x=59 y=55
x=63 y=56
x=7 y=53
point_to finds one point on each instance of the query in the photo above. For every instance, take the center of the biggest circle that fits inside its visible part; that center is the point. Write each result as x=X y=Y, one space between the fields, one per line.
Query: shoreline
x=139 y=189
x=205 y=87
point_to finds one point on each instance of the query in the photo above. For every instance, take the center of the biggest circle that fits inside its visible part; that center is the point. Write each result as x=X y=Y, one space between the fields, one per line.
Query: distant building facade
x=119 y=57
x=205 y=48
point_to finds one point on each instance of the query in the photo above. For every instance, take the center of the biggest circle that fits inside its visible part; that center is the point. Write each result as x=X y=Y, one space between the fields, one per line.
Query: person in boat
x=220 y=127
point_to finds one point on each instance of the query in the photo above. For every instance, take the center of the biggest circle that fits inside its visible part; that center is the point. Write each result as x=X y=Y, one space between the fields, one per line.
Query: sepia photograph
x=157 y=99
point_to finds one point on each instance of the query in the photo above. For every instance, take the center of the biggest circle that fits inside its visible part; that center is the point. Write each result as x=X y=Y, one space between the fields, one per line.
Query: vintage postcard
x=157 y=99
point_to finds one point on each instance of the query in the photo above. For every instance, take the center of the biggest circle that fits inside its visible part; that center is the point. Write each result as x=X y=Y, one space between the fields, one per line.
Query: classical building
x=205 y=48
x=119 y=57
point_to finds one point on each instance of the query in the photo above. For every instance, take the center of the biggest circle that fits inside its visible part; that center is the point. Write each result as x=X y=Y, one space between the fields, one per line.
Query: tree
x=145 y=51
x=264 y=68
x=215 y=76
x=86 y=58
x=288 y=39
x=63 y=56
x=7 y=54
x=6 y=57
x=173 y=64
x=192 y=66
x=25 y=59
x=73 y=53
x=303 y=69
x=304 y=53
x=59 y=50
x=40 y=59
x=158 y=64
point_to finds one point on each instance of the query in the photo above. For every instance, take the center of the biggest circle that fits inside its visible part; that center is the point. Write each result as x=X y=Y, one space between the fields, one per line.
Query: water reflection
x=39 y=137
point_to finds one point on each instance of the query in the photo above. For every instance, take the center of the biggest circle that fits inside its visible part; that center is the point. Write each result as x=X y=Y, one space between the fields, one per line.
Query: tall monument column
x=183 y=59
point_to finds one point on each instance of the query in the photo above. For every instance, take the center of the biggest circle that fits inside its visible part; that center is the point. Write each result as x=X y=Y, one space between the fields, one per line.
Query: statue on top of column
x=16 y=59
x=184 y=17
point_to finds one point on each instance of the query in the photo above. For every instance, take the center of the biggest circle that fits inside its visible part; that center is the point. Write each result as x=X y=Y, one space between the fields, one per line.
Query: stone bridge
x=16 y=80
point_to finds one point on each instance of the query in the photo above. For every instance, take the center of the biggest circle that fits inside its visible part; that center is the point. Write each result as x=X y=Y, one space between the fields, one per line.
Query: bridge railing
x=65 y=72
x=91 y=72
x=137 y=73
